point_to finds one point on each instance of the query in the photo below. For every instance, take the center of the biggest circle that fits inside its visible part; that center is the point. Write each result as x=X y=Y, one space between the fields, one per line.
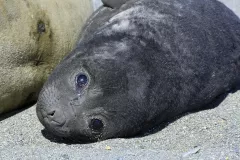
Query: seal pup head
x=97 y=92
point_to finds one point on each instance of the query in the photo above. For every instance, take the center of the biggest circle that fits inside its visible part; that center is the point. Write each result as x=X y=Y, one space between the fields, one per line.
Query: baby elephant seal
x=139 y=64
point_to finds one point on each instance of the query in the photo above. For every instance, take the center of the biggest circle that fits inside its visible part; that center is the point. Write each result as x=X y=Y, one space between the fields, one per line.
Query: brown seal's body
x=34 y=37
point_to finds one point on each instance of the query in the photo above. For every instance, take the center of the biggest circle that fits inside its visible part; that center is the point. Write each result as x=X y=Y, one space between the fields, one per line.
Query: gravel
x=212 y=134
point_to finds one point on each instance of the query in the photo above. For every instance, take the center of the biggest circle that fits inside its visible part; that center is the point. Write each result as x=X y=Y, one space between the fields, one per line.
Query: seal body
x=141 y=64
x=35 y=35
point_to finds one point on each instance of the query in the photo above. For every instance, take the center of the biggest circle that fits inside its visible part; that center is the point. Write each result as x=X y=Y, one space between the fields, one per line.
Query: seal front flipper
x=114 y=3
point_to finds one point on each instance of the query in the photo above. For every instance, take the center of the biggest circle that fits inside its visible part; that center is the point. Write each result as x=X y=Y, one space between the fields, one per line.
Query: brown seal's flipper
x=114 y=3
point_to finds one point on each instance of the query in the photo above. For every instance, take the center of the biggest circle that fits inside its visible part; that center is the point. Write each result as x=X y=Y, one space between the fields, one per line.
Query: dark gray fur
x=148 y=61
x=114 y=3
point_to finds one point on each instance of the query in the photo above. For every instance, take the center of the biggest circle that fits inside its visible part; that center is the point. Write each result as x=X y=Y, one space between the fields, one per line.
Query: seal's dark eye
x=81 y=80
x=96 y=124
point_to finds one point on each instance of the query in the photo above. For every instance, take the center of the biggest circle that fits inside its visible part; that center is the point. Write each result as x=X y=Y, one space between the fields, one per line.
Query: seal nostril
x=52 y=113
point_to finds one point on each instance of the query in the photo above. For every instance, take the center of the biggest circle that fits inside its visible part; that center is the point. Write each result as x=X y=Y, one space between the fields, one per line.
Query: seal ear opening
x=114 y=3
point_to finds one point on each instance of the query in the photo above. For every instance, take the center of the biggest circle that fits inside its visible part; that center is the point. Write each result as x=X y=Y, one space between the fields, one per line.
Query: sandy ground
x=209 y=134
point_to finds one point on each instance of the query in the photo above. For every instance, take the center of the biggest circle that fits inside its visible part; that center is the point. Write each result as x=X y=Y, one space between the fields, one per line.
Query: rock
x=34 y=36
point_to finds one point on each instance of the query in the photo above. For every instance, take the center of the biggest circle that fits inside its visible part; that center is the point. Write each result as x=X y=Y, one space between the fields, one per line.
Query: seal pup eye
x=81 y=80
x=96 y=124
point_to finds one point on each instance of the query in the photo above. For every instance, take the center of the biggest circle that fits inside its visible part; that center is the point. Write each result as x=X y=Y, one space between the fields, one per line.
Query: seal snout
x=51 y=118
x=56 y=117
